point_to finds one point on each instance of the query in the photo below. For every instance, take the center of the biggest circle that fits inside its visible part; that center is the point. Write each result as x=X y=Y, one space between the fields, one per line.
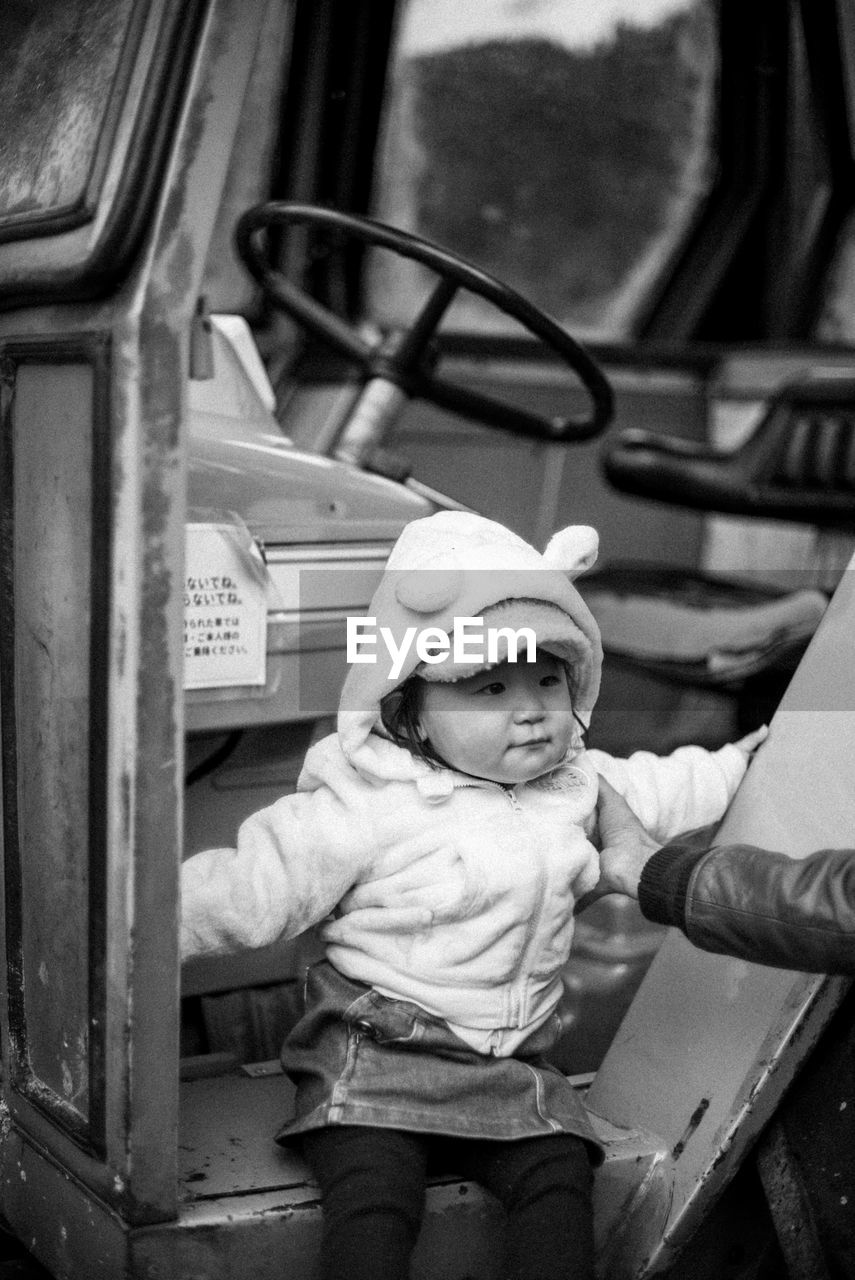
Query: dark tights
x=373 y=1187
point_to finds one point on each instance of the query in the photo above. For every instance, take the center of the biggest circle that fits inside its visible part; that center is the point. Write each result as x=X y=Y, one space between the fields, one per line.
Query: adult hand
x=625 y=847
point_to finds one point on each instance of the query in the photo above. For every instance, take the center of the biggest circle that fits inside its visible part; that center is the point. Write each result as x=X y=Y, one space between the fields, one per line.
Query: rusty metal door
x=118 y=123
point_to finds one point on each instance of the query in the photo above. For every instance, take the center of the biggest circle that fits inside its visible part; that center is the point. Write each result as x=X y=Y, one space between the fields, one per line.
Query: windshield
x=563 y=145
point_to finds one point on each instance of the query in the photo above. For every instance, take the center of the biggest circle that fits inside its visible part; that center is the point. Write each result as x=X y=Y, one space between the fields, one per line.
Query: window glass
x=562 y=145
x=60 y=62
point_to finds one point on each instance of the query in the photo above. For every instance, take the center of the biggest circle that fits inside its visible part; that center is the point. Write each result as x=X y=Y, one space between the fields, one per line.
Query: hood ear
x=428 y=590
x=573 y=550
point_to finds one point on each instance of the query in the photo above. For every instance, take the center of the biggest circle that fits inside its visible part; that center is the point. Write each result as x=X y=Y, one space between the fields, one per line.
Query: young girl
x=442 y=836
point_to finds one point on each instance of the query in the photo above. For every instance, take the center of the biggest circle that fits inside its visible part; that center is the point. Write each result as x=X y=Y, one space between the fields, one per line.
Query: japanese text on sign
x=225 y=609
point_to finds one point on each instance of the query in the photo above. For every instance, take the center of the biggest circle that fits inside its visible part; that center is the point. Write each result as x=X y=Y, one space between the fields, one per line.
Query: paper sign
x=225 y=608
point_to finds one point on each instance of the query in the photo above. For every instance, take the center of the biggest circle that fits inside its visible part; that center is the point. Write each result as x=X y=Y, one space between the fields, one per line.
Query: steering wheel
x=401 y=368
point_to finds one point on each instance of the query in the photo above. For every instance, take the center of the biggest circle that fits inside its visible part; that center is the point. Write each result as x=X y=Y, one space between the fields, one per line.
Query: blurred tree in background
x=557 y=167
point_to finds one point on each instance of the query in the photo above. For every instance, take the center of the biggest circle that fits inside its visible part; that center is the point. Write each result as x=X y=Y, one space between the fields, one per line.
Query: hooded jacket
x=434 y=886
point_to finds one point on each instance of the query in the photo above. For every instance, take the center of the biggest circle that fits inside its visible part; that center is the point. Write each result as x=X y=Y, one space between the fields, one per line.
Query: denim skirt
x=357 y=1057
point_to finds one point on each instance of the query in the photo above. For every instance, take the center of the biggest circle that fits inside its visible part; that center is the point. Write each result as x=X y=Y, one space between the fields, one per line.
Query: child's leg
x=545 y=1186
x=373 y=1187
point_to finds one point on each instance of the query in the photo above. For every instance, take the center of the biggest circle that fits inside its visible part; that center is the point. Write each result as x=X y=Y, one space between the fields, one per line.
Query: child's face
x=510 y=724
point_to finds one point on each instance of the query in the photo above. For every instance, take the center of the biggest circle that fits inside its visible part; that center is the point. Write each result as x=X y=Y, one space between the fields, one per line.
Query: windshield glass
x=562 y=145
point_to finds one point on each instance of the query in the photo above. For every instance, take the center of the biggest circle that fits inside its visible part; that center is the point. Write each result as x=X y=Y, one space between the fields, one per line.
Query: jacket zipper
x=515 y=804
x=532 y=926
x=517 y=990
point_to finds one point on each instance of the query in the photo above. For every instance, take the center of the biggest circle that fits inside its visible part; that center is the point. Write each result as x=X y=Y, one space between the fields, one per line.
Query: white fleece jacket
x=433 y=886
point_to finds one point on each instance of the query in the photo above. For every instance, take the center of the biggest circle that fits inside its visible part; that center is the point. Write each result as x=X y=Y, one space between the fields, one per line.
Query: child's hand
x=751 y=741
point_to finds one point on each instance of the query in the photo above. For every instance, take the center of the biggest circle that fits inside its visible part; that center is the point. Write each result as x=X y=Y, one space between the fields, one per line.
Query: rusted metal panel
x=70 y=1230
x=54 y=503
x=106 y=1041
x=152 y=343
x=270 y=1235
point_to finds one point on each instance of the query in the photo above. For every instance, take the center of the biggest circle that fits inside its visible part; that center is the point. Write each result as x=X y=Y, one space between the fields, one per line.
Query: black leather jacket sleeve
x=754 y=904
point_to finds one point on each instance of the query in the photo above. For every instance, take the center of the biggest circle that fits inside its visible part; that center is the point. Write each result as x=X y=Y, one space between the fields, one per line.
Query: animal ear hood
x=572 y=550
x=456 y=564
x=429 y=592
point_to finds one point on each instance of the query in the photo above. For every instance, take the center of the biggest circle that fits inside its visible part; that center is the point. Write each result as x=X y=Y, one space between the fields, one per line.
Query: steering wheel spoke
x=415 y=340
x=318 y=319
x=508 y=417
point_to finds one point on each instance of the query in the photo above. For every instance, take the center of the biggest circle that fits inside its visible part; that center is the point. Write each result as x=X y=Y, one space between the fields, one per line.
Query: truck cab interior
x=277 y=277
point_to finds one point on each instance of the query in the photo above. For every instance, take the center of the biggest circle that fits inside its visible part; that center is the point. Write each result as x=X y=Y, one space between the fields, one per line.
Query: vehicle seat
x=709 y=631
x=799 y=464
